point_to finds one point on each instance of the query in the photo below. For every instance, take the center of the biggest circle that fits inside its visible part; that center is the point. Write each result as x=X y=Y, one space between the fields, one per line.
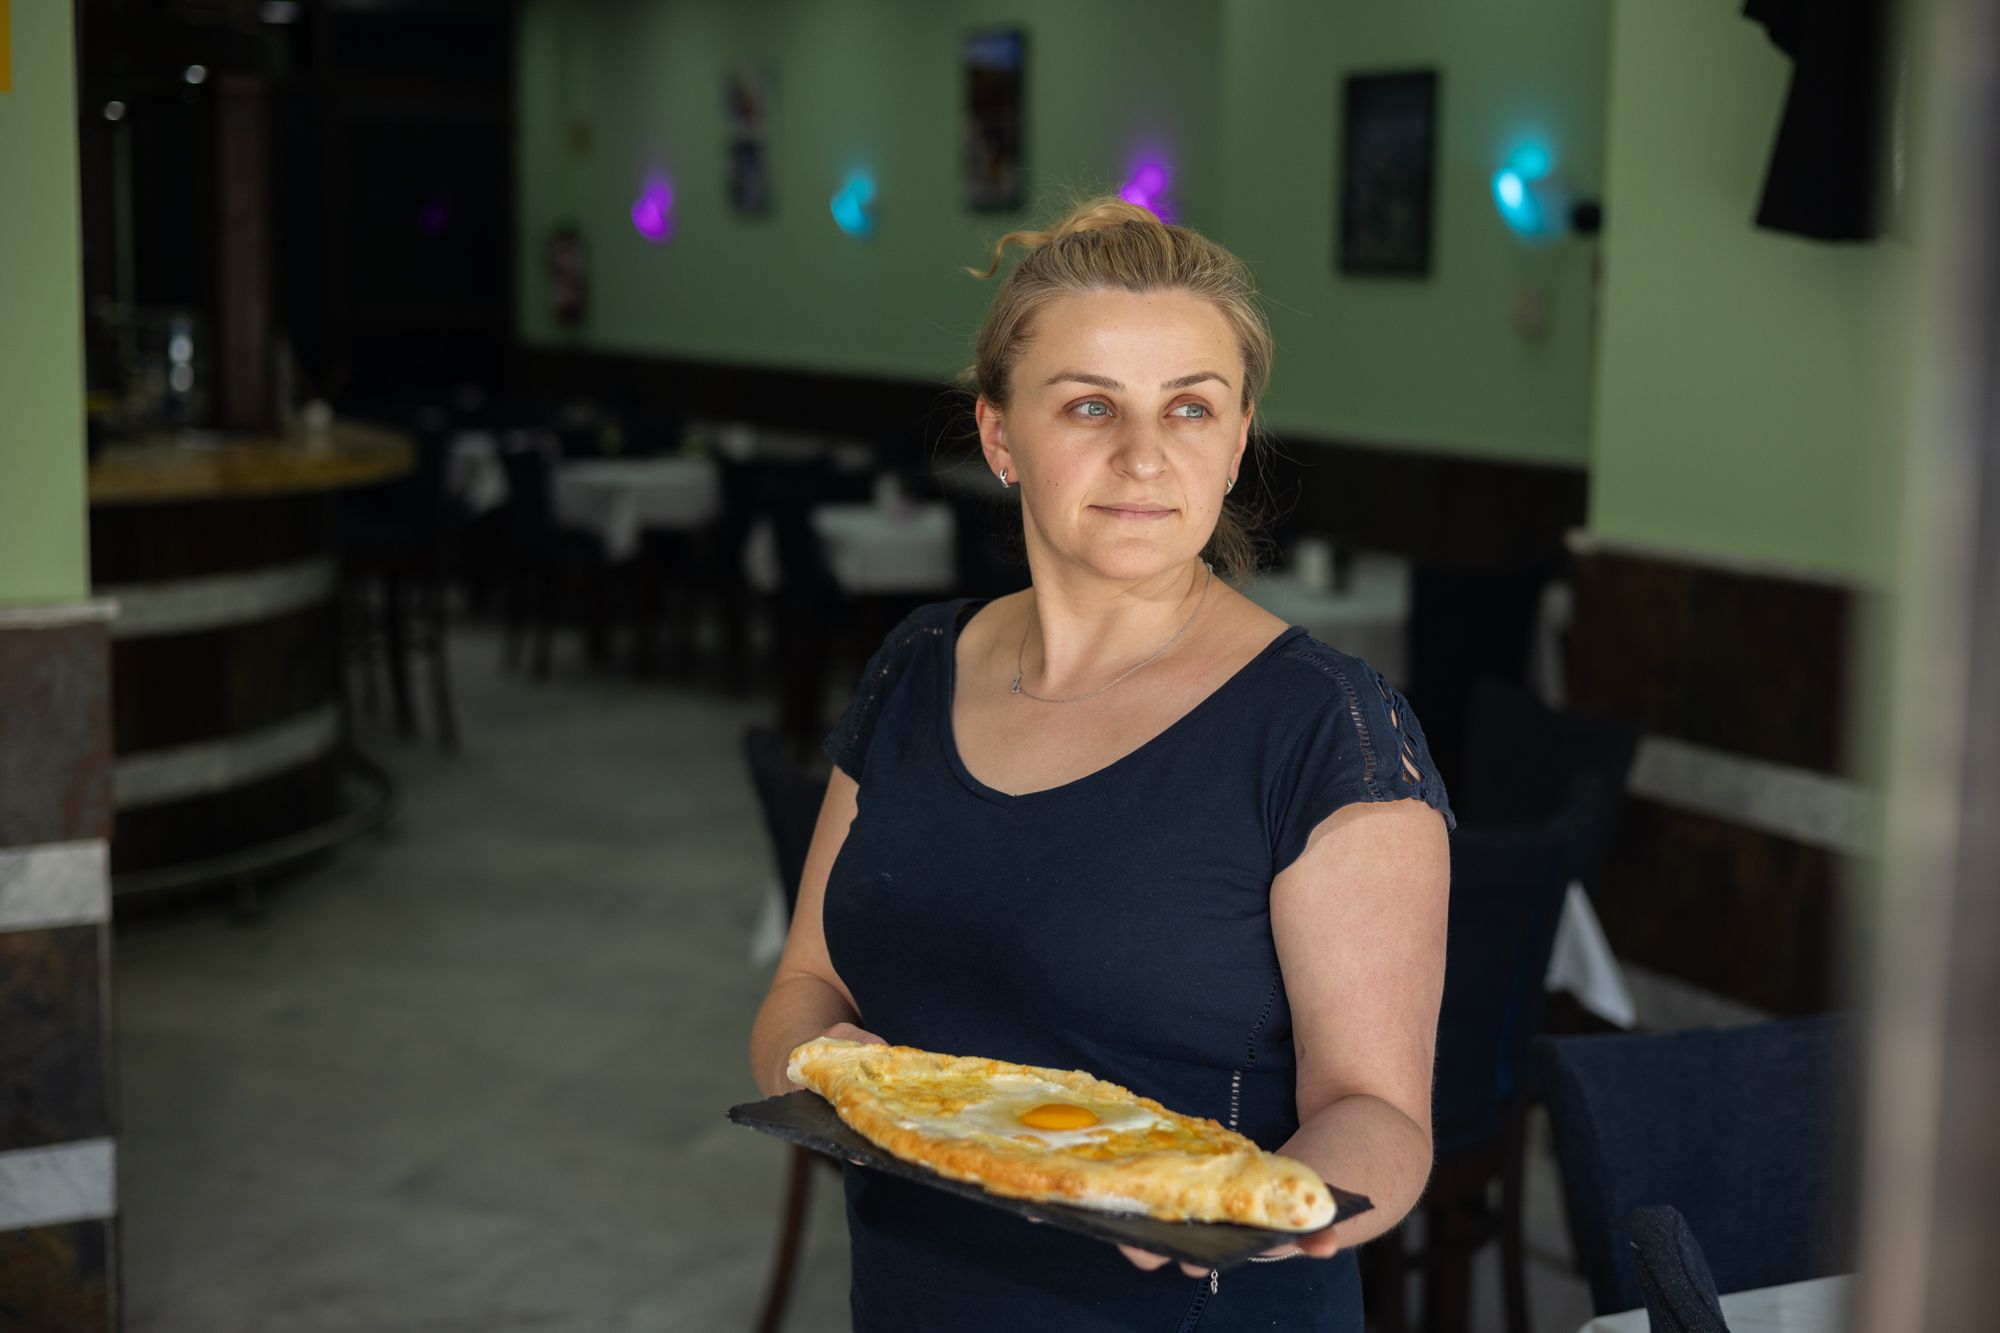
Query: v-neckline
x=963 y=612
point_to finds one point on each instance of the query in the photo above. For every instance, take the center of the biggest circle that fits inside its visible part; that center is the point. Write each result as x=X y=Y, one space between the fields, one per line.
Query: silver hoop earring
x=1003 y=479
x=1229 y=486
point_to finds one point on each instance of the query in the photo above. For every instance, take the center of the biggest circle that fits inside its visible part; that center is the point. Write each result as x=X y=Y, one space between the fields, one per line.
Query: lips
x=1137 y=512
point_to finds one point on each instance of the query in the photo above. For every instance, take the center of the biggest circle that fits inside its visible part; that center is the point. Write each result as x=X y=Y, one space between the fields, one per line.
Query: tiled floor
x=469 y=1074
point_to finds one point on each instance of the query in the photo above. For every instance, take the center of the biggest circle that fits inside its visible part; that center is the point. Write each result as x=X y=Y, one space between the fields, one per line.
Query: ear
x=993 y=439
x=1242 y=444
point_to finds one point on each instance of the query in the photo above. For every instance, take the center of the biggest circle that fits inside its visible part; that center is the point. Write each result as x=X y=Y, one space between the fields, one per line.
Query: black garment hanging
x=1825 y=176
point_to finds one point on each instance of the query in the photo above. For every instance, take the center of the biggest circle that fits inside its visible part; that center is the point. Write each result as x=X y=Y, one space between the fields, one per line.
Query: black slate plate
x=806 y=1119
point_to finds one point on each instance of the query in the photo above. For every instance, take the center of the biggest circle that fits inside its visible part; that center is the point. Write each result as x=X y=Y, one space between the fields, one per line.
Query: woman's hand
x=849 y=1032
x=1320 y=1245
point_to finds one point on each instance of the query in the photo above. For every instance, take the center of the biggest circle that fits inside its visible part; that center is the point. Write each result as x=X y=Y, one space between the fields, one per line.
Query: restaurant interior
x=458 y=456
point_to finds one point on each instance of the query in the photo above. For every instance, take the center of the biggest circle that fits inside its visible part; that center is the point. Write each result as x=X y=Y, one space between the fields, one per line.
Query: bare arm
x=807 y=999
x=1359 y=921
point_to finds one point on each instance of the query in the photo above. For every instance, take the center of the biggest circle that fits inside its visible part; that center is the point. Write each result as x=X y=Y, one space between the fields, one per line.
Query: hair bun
x=1099 y=214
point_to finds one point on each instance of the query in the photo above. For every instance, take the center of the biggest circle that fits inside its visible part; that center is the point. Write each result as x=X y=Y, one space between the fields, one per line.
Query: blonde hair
x=1106 y=244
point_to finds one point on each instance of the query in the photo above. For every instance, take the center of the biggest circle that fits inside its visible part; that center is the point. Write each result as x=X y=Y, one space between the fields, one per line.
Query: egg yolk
x=1058 y=1115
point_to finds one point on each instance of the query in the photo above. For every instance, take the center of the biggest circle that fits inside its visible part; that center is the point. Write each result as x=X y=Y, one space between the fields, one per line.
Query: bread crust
x=1185 y=1169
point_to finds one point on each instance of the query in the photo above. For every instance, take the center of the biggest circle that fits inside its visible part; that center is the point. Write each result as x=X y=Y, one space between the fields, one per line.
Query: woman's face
x=1125 y=426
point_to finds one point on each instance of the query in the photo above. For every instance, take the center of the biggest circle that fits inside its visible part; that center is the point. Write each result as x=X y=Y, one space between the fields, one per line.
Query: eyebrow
x=1106 y=382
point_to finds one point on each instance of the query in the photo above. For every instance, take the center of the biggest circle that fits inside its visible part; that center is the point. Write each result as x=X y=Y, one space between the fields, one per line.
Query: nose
x=1140 y=452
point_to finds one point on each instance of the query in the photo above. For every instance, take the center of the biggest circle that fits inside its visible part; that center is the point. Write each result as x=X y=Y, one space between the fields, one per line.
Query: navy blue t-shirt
x=1118 y=924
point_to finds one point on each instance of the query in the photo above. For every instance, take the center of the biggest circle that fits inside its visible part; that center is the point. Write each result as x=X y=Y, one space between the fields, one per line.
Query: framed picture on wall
x=1387 y=173
x=746 y=108
x=995 y=71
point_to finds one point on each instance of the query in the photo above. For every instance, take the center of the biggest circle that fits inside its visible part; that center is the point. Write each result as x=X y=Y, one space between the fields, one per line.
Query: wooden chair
x=790 y=800
x=1537 y=795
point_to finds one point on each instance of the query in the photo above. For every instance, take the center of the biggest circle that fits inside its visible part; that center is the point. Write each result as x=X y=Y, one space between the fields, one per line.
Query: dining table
x=617 y=500
x=893 y=549
x=1366 y=616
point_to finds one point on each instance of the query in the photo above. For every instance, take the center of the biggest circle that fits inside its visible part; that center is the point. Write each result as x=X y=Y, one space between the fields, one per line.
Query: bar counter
x=227 y=727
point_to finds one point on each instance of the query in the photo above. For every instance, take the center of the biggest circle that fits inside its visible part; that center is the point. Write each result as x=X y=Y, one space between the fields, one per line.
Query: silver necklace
x=1020 y=654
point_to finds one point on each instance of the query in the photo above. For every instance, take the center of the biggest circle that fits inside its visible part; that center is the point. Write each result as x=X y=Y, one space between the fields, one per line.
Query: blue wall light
x=1517 y=206
x=1532 y=197
x=851 y=202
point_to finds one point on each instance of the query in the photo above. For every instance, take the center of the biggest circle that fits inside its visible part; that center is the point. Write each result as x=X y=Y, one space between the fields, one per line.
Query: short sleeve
x=1364 y=743
x=847 y=744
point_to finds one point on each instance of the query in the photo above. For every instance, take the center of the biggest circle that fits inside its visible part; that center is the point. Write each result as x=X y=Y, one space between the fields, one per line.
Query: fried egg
x=1049 y=1114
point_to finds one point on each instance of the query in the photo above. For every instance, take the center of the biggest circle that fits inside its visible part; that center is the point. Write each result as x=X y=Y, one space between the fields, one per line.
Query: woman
x=1126 y=821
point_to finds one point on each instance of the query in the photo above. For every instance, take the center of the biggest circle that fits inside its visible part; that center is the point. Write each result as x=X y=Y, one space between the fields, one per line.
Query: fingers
x=1144 y=1259
x=1320 y=1245
x=1151 y=1262
x=1324 y=1245
x=849 y=1032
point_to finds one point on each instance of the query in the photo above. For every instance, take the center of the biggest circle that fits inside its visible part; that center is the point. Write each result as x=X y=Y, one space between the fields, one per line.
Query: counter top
x=188 y=466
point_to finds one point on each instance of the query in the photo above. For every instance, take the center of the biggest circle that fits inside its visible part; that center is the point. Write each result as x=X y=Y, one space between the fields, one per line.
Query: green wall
x=1749 y=383
x=42 y=514
x=1434 y=363
x=1733 y=393
x=873 y=83
x=1243 y=91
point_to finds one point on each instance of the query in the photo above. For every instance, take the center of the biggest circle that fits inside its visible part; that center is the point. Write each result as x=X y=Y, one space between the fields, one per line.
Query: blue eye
x=1094 y=408
x=1196 y=411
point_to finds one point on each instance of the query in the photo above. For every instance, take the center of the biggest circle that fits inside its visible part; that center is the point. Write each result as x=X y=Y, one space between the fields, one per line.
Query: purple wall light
x=653 y=211
x=1147 y=186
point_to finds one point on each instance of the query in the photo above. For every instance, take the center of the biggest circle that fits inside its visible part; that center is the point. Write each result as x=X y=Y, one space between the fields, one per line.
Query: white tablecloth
x=619 y=498
x=1818 y=1306
x=1582 y=963
x=871 y=549
x=897 y=549
x=473 y=473
x=1365 y=619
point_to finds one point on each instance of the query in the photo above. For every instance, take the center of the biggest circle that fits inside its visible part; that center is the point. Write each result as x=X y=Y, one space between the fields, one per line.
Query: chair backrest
x=1524 y=760
x=783 y=492
x=790 y=800
x=1744 y=1130
x=1507 y=887
x=1673 y=1273
x=1465 y=624
x=528 y=513
x=408 y=515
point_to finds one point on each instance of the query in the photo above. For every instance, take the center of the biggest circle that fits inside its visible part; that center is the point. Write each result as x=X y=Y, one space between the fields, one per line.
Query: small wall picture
x=1388 y=165
x=746 y=106
x=995 y=68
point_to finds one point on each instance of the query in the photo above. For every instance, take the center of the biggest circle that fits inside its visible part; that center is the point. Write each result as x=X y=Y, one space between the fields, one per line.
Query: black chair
x=540 y=563
x=1506 y=898
x=1744 y=1129
x=790 y=799
x=1540 y=792
x=1522 y=758
x=1673 y=1273
x=397 y=548
x=1466 y=625
x=808 y=608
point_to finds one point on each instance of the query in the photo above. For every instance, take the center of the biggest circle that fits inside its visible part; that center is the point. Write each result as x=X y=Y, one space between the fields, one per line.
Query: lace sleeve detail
x=1364 y=744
